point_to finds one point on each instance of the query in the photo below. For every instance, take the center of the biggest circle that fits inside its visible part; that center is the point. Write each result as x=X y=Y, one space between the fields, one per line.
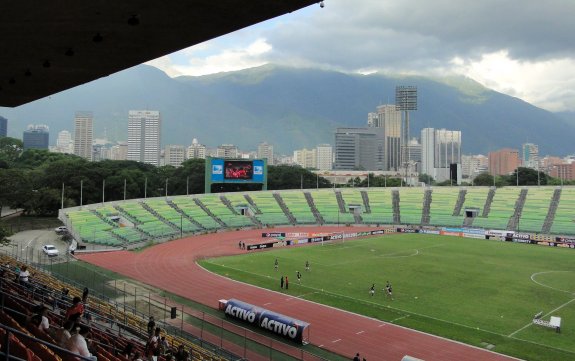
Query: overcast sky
x=524 y=48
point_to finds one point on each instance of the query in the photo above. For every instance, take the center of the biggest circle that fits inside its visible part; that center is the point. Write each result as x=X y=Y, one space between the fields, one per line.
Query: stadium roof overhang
x=50 y=46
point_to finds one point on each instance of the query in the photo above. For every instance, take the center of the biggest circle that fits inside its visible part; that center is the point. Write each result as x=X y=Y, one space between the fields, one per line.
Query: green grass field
x=476 y=291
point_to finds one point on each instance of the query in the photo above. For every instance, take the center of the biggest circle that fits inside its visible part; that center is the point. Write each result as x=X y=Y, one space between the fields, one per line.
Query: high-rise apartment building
x=36 y=137
x=530 y=155
x=440 y=148
x=144 y=130
x=565 y=171
x=227 y=151
x=305 y=158
x=119 y=151
x=266 y=151
x=472 y=165
x=64 y=142
x=174 y=155
x=196 y=150
x=324 y=157
x=83 y=135
x=504 y=161
x=359 y=149
x=3 y=127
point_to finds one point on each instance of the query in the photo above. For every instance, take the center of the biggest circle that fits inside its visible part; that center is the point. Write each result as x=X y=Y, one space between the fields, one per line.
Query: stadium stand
x=326 y=203
x=535 y=209
x=564 y=222
x=501 y=209
x=411 y=205
x=221 y=212
x=380 y=203
x=442 y=206
x=193 y=211
x=297 y=204
x=271 y=212
x=92 y=229
x=161 y=209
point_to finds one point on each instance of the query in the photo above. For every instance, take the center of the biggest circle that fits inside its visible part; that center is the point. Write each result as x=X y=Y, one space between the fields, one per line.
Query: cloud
x=520 y=47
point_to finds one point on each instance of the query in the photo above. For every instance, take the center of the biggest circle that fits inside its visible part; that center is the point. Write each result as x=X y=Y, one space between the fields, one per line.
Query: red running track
x=172 y=267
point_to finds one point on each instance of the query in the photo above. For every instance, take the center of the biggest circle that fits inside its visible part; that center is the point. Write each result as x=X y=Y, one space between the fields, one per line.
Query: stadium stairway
x=340 y=202
x=365 y=198
x=207 y=210
x=488 y=201
x=514 y=220
x=284 y=208
x=186 y=216
x=160 y=217
x=252 y=203
x=396 y=210
x=552 y=210
x=313 y=208
x=460 y=202
x=427 y=199
x=228 y=204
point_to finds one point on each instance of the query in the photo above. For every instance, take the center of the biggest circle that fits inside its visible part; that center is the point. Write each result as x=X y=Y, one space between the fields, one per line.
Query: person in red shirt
x=76 y=310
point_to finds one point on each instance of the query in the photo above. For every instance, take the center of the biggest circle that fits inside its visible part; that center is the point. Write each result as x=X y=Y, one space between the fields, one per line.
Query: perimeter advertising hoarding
x=282 y=325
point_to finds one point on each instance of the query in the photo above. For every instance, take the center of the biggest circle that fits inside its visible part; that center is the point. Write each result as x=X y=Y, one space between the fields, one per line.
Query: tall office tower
x=119 y=151
x=174 y=155
x=372 y=120
x=530 y=155
x=3 y=127
x=440 y=148
x=389 y=119
x=324 y=157
x=144 y=136
x=83 y=135
x=266 y=151
x=64 y=142
x=227 y=151
x=305 y=158
x=359 y=149
x=414 y=150
x=472 y=165
x=196 y=150
x=36 y=137
x=503 y=161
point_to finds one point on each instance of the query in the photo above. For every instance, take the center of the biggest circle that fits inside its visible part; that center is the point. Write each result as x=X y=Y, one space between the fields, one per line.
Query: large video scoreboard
x=238 y=171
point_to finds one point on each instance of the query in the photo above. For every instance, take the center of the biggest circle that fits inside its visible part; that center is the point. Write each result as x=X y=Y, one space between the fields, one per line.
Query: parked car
x=61 y=229
x=50 y=250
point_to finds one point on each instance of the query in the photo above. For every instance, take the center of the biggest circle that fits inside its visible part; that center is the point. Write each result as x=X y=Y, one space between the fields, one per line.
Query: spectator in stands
x=39 y=318
x=85 y=294
x=24 y=276
x=137 y=357
x=356 y=358
x=151 y=326
x=153 y=346
x=165 y=346
x=62 y=335
x=75 y=311
x=78 y=343
x=128 y=351
x=181 y=354
x=63 y=298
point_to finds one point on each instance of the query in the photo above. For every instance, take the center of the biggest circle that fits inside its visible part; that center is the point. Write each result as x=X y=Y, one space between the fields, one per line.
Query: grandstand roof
x=50 y=46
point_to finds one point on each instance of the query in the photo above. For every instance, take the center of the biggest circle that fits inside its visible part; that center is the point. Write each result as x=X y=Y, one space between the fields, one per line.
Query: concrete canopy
x=49 y=46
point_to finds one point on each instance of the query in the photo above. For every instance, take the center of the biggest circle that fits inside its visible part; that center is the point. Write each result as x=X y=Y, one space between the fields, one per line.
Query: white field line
x=545 y=315
x=544 y=285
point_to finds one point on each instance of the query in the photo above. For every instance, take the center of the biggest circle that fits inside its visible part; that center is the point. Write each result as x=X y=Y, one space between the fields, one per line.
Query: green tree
x=483 y=179
x=10 y=149
x=4 y=234
x=426 y=178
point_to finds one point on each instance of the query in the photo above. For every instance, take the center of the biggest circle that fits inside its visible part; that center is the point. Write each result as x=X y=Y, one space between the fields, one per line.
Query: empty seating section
x=411 y=205
x=352 y=197
x=535 y=209
x=220 y=210
x=192 y=210
x=475 y=198
x=165 y=211
x=443 y=201
x=326 y=203
x=92 y=229
x=501 y=210
x=146 y=221
x=297 y=204
x=564 y=222
x=381 y=205
x=238 y=201
x=129 y=235
x=271 y=211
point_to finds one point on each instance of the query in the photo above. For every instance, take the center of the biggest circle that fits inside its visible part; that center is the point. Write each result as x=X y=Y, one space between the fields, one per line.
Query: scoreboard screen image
x=234 y=169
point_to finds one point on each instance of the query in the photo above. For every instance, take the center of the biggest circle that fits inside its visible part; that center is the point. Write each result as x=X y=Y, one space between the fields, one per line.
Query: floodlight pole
x=103 y=190
x=62 y=205
x=81 y=190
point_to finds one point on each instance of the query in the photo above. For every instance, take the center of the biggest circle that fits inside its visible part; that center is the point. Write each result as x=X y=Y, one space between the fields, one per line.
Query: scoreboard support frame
x=209 y=176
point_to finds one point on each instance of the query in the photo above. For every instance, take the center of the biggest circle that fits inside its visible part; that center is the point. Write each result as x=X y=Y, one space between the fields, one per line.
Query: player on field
x=298 y=275
x=372 y=289
x=307 y=265
x=388 y=290
x=276 y=264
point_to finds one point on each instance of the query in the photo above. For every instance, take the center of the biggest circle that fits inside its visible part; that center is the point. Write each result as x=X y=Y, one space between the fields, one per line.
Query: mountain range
x=293 y=108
